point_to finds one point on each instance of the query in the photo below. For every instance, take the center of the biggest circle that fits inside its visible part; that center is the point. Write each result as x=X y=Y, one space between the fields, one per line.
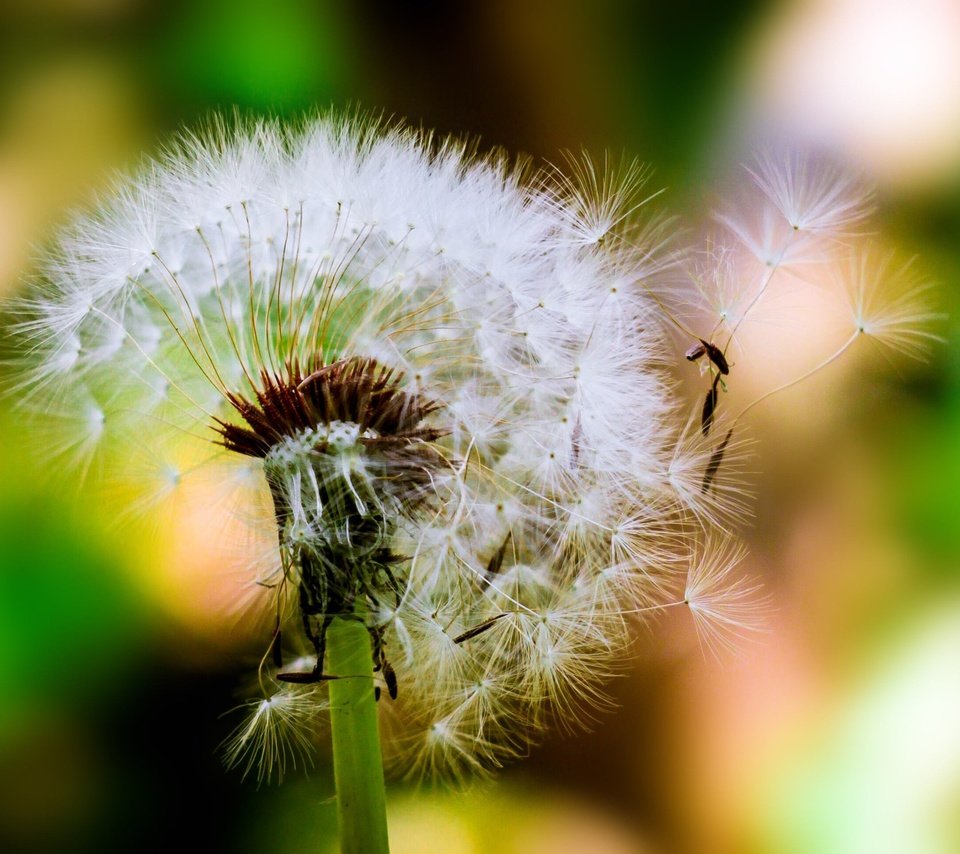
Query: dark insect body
x=712 y=352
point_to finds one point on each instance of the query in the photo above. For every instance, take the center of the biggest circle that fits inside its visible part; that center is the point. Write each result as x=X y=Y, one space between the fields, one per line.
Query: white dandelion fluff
x=447 y=381
x=726 y=608
x=275 y=734
x=889 y=303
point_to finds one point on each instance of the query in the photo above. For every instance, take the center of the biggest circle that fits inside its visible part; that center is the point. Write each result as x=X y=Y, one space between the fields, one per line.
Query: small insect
x=712 y=352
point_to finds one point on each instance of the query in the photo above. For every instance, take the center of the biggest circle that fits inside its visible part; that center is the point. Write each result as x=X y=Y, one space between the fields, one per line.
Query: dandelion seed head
x=435 y=385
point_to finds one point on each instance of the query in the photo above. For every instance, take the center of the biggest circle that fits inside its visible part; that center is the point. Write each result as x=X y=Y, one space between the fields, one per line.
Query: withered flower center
x=356 y=390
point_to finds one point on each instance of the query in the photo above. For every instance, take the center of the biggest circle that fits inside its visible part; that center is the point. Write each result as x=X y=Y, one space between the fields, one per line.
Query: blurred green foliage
x=922 y=450
x=71 y=625
x=252 y=55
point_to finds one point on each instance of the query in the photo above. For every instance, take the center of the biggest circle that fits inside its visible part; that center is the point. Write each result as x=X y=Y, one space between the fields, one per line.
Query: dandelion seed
x=725 y=608
x=889 y=303
x=709 y=408
x=599 y=199
x=812 y=194
x=716 y=460
x=277 y=734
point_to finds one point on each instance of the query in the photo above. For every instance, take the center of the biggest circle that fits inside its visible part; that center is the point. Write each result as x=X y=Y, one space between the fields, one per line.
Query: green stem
x=357 y=762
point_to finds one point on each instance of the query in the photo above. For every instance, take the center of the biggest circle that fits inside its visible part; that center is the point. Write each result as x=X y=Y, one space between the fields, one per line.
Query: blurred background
x=839 y=731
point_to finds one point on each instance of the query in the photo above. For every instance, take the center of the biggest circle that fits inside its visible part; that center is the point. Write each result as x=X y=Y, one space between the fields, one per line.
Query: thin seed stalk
x=357 y=760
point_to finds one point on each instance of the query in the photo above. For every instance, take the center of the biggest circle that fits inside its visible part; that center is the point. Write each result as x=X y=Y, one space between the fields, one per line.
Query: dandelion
x=447 y=382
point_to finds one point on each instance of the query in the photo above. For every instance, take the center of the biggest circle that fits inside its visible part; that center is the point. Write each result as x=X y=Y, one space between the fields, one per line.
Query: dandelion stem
x=357 y=762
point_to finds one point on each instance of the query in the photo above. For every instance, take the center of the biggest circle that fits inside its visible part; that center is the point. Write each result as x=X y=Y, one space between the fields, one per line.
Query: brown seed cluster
x=355 y=390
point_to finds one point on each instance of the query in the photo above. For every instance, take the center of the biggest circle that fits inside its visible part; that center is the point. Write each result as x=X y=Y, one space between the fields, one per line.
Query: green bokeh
x=70 y=624
x=279 y=57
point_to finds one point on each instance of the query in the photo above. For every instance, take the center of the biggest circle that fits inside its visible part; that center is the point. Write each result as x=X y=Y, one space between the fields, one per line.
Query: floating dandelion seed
x=812 y=194
x=448 y=383
x=889 y=303
x=726 y=608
